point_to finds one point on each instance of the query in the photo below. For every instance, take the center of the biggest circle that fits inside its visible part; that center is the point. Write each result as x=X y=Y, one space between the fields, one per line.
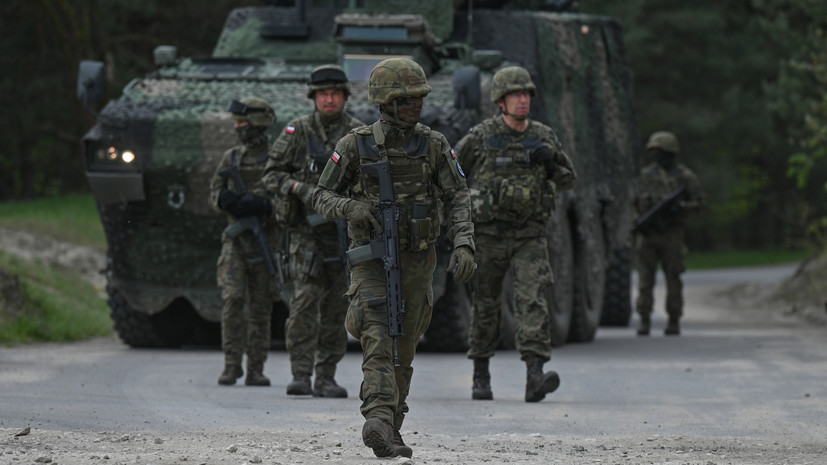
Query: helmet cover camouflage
x=397 y=77
x=511 y=79
x=665 y=141
x=253 y=109
x=328 y=77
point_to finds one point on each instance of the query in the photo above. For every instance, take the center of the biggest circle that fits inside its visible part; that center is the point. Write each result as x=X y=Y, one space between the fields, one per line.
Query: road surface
x=739 y=386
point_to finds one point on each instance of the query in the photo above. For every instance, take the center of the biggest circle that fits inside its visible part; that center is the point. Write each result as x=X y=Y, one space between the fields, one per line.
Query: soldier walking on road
x=515 y=166
x=661 y=241
x=242 y=275
x=423 y=171
x=315 y=330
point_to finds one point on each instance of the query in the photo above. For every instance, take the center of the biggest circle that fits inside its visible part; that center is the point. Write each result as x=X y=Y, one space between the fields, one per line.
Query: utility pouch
x=286 y=211
x=515 y=199
x=419 y=228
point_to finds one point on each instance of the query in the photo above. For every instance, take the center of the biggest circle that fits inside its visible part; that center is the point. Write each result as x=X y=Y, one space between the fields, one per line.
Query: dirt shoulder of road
x=289 y=447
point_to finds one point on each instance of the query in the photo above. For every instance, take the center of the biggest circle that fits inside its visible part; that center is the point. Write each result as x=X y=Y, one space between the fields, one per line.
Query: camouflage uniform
x=424 y=171
x=513 y=176
x=315 y=330
x=666 y=244
x=242 y=276
x=512 y=199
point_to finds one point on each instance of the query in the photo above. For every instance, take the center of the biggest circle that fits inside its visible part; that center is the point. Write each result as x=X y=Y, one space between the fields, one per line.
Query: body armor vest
x=508 y=186
x=412 y=174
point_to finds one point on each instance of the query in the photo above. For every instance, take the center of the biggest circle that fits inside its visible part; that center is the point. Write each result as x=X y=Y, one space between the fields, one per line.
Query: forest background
x=743 y=83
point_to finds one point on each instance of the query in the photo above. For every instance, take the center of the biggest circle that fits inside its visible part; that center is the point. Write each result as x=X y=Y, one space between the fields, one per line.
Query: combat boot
x=255 y=377
x=482 y=380
x=231 y=373
x=300 y=386
x=673 y=327
x=645 y=325
x=325 y=386
x=399 y=446
x=538 y=384
x=378 y=435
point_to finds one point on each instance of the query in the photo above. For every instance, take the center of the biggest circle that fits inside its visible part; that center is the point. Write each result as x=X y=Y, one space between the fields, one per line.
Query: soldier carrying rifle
x=666 y=193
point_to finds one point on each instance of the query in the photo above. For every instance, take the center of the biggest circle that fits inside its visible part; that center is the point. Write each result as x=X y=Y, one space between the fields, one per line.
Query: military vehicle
x=153 y=150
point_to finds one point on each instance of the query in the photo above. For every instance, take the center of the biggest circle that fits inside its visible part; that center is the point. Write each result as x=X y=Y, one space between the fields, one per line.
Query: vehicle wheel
x=617 y=298
x=448 y=331
x=560 y=295
x=589 y=279
x=166 y=329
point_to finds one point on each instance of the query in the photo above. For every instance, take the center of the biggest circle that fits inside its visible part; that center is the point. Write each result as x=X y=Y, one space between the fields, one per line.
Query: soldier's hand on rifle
x=359 y=215
x=304 y=191
x=251 y=205
x=227 y=200
x=462 y=264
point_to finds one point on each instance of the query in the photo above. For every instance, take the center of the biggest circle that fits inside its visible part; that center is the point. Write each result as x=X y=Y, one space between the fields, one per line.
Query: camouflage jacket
x=424 y=171
x=299 y=155
x=250 y=164
x=656 y=183
x=511 y=193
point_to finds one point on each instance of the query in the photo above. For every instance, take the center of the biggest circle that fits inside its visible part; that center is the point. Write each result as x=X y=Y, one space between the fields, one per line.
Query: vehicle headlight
x=110 y=157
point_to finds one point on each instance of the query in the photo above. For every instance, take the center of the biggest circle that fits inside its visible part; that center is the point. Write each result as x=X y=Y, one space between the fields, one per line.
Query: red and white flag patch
x=335 y=157
x=289 y=129
x=453 y=154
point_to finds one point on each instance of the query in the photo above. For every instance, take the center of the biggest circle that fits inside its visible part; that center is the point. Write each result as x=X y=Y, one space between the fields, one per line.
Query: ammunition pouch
x=287 y=210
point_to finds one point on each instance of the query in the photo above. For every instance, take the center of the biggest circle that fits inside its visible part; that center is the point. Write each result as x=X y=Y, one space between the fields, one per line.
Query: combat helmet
x=328 y=77
x=511 y=79
x=397 y=77
x=665 y=141
x=253 y=109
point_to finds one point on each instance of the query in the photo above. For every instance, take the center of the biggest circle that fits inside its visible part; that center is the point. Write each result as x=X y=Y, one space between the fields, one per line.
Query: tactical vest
x=251 y=170
x=411 y=170
x=507 y=185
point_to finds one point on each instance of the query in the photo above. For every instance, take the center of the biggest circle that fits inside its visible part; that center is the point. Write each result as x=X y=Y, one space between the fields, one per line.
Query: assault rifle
x=273 y=261
x=385 y=246
x=656 y=218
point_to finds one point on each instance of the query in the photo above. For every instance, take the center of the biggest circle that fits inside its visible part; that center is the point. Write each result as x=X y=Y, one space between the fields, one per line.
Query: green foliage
x=58 y=306
x=72 y=218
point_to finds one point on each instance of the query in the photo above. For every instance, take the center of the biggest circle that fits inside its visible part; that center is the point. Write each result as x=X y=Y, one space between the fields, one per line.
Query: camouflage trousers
x=248 y=292
x=531 y=272
x=315 y=330
x=669 y=250
x=385 y=387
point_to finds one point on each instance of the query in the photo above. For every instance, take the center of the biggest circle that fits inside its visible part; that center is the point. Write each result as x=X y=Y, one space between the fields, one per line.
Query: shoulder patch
x=335 y=157
x=289 y=129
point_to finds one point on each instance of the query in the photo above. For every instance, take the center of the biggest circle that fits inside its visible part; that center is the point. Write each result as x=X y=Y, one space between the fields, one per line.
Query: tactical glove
x=543 y=156
x=251 y=205
x=462 y=264
x=226 y=199
x=359 y=215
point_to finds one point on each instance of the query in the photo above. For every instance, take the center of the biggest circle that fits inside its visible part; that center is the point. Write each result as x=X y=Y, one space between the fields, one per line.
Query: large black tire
x=166 y=329
x=590 y=276
x=560 y=296
x=617 y=298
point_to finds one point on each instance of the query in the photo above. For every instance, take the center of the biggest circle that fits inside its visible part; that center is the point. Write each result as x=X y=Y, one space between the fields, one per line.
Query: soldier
x=515 y=166
x=242 y=275
x=662 y=242
x=315 y=330
x=423 y=170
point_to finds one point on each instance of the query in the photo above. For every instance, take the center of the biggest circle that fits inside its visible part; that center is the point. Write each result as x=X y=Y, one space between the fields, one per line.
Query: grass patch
x=72 y=218
x=58 y=306
x=740 y=258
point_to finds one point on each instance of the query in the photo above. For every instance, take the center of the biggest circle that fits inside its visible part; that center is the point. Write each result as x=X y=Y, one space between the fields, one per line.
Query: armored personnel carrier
x=153 y=150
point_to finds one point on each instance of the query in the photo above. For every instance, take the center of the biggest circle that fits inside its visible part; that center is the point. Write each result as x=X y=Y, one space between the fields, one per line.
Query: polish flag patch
x=453 y=154
x=289 y=130
x=335 y=157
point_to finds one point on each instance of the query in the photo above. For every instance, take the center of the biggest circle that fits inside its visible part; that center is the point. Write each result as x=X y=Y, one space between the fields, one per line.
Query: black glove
x=543 y=156
x=227 y=199
x=251 y=205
